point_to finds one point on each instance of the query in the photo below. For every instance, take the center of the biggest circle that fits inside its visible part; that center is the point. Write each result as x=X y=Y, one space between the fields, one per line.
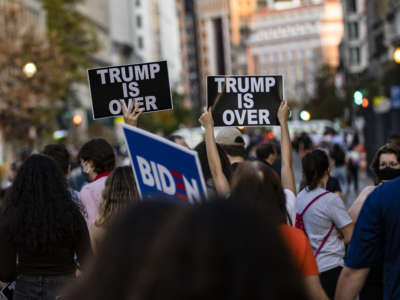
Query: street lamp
x=396 y=56
x=29 y=69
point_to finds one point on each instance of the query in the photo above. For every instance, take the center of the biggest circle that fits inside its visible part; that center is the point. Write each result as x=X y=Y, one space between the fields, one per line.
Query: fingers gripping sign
x=132 y=114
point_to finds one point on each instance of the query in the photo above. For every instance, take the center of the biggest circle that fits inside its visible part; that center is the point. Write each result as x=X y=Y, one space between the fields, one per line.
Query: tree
x=25 y=100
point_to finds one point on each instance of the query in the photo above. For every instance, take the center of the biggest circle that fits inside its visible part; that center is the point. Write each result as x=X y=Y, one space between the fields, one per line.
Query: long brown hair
x=120 y=191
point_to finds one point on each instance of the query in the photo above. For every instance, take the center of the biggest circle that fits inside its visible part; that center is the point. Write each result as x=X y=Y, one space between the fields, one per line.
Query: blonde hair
x=119 y=192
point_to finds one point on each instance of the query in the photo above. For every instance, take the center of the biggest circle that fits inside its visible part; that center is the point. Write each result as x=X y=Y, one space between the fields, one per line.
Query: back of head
x=231 y=140
x=315 y=164
x=39 y=209
x=213 y=251
x=264 y=150
x=100 y=152
x=60 y=154
x=202 y=153
x=259 y=185
x=119 y=192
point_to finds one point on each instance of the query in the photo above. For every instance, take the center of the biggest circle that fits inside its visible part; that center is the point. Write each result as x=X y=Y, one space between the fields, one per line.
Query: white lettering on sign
x=146 y=103
x=245 y=84
x=129 y=73
x=158 y=176
x=253 y=116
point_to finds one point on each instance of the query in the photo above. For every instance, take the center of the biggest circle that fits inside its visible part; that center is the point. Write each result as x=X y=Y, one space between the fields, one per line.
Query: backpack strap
x=324 y=240
x=312 y=202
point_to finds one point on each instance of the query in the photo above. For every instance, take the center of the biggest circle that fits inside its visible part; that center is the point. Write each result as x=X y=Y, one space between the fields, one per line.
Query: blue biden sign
x=162 y=167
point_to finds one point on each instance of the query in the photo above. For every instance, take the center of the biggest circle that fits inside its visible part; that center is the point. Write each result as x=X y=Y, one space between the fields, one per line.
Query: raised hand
x=206 y=118
x=131 y=115
x=283 y=112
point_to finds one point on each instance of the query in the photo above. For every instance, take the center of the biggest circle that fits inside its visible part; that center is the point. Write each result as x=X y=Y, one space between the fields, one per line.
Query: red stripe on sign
x=176 y=174
x=181 y=196
x=180 y=186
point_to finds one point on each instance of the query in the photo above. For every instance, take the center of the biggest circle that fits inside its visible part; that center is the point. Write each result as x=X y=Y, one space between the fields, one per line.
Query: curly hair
x=100 y=152
x=315 y=164
x=39 y=211
x=120 y=191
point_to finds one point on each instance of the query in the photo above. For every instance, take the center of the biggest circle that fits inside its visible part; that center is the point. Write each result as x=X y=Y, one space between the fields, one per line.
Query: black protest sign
x=244 y=100
x=145 y=84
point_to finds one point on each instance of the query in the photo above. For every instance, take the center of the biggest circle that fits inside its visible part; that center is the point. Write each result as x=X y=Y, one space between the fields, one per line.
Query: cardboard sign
x=244 y=100
x=147 y=84
x=162 y=167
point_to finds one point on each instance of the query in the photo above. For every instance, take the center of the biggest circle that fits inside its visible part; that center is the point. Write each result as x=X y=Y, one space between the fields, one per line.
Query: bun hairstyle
x=315 y=164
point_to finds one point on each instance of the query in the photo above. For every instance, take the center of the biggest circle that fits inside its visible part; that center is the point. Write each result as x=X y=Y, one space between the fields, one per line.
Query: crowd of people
x=258 y=235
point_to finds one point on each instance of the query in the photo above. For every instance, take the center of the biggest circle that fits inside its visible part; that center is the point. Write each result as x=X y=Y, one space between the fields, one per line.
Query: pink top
x=91 y=198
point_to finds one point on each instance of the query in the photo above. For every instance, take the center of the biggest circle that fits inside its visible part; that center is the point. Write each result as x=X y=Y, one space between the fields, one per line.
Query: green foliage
x=74 y=34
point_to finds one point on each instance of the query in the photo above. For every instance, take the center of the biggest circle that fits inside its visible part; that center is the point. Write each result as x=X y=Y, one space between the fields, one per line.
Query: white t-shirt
x=318 y=220
x=290 y=205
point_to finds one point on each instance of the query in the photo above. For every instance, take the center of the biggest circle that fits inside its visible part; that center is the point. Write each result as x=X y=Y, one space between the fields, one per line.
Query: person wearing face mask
x=97 y=159
x=386 y=166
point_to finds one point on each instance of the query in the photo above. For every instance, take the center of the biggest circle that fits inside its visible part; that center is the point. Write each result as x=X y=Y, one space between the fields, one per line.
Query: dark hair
x=234 y=150
x=260 y=186
x=60 y=154
x=394 y=139
x=264 y=150
x=226 y=165
x=119 y=192
x=174 y=138
x=315 y=164
x=387 y=148
x=39 y=211
x=100 y=152
x=212 y=251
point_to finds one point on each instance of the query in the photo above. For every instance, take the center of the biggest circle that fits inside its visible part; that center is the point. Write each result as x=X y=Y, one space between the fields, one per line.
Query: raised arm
x=214 y=161
x=131 y=116
x=287 y=173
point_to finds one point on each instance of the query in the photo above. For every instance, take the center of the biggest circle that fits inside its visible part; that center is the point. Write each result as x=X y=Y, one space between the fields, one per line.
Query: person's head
x=315 y=165
x=179 y=140
x=231 y=140
x=39 y=209
x=96 y=157
x=395 y=140
x=260 y=186
x=60 y=154
x=119 y=192
x=212 y=251
x=267 y=152
x=202 y=153
x=14 y=168
x=386 y=163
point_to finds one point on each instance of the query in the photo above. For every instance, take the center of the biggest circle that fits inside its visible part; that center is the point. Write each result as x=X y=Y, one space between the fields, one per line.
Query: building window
x=140 y=42
x=139 y=21
x=352 y=6
x=353 y=30
x=137 y=2
x=355 y=56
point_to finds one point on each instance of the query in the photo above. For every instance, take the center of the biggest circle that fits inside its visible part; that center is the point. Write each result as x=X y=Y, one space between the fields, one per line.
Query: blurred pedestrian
x=353 y=165
x=339 y=157
x=97 y=159
x=42 y=231
x=193 y=254
x=232 y=141
x=61 y=156
x=323 y=217
x=375 y=242
x=119 y=192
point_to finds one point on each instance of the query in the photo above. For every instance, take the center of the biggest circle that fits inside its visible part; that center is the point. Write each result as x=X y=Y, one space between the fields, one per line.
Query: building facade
x=295 y=42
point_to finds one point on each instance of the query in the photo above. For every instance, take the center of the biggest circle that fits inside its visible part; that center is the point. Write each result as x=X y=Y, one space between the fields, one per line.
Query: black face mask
x=388 y=173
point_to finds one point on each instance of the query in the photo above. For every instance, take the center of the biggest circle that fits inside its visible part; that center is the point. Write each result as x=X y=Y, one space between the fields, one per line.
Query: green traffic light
x=358 y=96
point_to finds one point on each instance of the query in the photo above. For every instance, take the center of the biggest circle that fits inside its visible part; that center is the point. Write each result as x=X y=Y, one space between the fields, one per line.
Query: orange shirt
x=300 y=247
